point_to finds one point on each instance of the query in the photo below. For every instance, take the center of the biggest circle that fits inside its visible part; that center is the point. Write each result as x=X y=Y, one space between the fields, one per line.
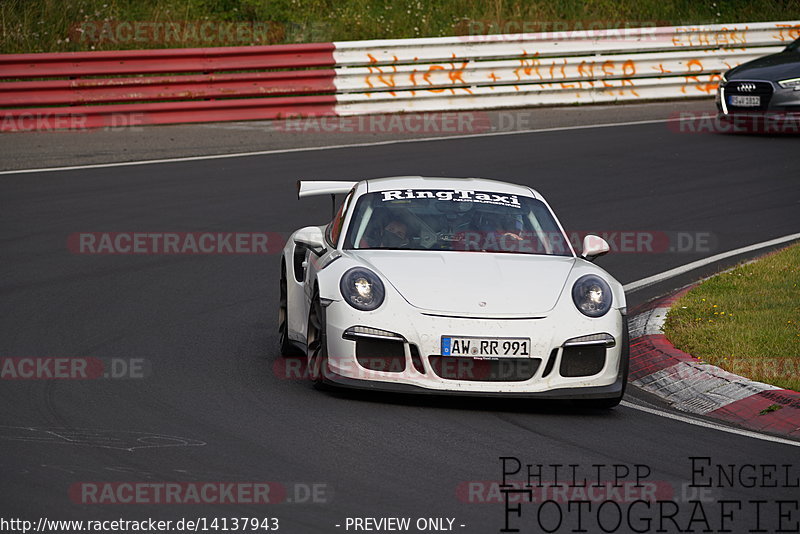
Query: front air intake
x=582 y=360
x=381 y=355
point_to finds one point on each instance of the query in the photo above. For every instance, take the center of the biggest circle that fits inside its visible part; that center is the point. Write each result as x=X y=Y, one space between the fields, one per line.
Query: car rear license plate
x=748 y=101
x=486 y=347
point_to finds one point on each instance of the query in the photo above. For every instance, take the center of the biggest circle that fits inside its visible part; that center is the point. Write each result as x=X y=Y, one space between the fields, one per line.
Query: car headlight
x=793 y=83
x=592 y=295
x=362 y=289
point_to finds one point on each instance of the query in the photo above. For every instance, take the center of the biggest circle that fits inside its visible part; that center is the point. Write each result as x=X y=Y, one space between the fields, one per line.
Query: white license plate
x=745 y=101
x=486 y=347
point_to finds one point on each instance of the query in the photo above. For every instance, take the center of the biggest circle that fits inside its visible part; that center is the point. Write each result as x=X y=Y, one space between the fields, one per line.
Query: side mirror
x=594 y=247
x=312 y=238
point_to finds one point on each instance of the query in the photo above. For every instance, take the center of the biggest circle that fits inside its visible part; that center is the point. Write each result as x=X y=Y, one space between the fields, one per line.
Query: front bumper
x=773 y=97
x=575 y=393
x=421 y=369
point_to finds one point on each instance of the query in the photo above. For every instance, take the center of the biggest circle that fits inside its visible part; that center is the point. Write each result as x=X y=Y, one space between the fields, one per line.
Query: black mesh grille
x=586 y=360
x=381 y=355
x=472 y=369
x=763 y=90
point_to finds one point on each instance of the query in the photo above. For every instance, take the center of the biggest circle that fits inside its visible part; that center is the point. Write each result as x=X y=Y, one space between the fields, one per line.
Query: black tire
x=317 y=342
x=287 y=348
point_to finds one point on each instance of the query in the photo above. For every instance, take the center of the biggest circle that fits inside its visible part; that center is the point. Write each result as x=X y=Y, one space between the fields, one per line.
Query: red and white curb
x=692 y=386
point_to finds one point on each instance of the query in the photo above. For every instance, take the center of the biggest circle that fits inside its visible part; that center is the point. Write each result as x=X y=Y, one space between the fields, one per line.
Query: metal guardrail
x=96 y=89
x=495 y=71
x=135 y=87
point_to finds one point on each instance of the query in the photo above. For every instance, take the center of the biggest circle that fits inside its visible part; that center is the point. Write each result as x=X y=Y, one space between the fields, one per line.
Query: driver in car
x=395 y=234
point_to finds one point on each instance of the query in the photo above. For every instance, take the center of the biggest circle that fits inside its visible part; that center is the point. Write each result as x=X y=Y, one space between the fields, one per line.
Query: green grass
x=746 y=320
x=51 y=25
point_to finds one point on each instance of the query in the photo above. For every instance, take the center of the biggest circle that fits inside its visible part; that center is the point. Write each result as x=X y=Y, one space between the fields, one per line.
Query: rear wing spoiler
x=306 y=188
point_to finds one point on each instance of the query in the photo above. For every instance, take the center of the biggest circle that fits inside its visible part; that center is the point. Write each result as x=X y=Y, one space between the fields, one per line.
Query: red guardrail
x=167 y=60
x=98 y=89
x=104 y=90
x=118 y=115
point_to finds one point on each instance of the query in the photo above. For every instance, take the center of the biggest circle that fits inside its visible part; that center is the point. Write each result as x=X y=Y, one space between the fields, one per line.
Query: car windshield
x=794 y=47
x=463 y=220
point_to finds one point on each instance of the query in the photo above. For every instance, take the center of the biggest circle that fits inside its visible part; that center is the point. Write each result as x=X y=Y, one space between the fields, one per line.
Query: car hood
x=473 y=283
x=774 y=67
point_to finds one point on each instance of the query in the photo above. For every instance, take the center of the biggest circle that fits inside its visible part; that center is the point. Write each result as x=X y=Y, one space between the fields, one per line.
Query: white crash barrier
x=551 y=68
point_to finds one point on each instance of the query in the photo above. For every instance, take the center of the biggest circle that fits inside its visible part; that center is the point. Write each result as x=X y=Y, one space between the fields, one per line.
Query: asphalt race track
x=209 y=406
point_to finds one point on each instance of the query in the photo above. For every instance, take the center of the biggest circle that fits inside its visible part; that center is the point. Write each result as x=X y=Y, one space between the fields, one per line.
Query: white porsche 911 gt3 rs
x=456 y=286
